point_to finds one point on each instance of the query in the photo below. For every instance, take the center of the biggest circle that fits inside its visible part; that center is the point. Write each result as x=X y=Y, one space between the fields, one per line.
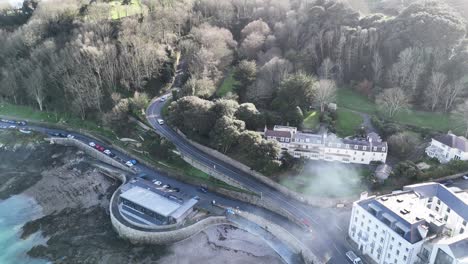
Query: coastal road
x=326 y=237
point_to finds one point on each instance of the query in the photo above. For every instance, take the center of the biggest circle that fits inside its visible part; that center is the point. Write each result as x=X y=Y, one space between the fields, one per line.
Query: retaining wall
x=90 y=151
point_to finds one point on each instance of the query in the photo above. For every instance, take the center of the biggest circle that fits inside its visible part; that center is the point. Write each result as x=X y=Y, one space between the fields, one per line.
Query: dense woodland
x=285 y=55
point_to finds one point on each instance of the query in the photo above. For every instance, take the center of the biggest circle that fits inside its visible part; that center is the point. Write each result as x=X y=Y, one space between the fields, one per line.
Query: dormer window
x=282 y=139
x=287 y=139
x=383 y=149
x=356 y=146
x=347 y=146
x=364 y=148
x=375 y=148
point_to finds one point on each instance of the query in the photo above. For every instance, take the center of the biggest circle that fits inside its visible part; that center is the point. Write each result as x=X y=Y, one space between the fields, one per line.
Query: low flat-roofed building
x=147 y=205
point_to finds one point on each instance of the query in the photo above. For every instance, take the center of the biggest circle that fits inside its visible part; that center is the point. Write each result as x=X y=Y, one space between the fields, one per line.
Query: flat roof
x=150 y=200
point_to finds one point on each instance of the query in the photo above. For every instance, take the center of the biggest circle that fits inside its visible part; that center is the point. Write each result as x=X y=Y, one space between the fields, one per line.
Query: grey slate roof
x=453 y=141
x=278 y=133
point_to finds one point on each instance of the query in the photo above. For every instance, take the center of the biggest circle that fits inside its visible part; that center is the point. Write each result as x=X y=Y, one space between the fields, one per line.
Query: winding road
x=327 y=238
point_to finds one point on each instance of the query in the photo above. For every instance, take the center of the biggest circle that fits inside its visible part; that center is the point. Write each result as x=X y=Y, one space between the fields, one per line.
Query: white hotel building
x=422 y=224
x=328 y=147
x=448 y=147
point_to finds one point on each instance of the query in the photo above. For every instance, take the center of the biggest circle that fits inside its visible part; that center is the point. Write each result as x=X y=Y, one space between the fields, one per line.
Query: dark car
x=21 y=123
x=57 y=134
x=203 y=189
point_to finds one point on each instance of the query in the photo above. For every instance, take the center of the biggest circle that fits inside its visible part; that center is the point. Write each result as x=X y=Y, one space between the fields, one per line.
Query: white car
x=465 y=177
x=12 y=127
x=161 y=122
x=158 y=183
x=129 y=164
x=70 y=136
x=162 y=99
x=107 y=152
x=92 y=144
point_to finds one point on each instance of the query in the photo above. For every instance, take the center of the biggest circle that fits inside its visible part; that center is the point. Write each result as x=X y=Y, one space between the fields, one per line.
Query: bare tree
x=377 y=67
x=251 y=45
x=435 y=90
x=35 y=87
x=392 y=100
x=325 y=70
x=452 y=93
x=325 y=93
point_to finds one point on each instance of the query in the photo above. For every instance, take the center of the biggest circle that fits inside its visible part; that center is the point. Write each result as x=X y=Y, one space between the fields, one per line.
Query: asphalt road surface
x=326 y=234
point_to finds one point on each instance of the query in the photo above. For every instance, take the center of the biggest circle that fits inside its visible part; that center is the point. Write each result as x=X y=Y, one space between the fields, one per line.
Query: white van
x=354 y=259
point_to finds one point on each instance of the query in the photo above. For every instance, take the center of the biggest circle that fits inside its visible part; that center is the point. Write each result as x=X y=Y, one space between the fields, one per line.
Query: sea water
x=14 y=213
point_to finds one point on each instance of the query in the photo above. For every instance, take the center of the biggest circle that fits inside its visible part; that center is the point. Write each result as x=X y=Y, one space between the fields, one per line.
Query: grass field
x=227 y=85
x=347 y=122
x=347 y=98
x=311 y=120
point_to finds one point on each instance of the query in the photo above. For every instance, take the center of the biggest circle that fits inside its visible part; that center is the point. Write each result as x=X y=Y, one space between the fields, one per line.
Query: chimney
x=265 y=129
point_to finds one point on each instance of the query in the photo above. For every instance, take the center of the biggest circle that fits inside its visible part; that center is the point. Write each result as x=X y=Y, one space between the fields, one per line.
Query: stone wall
x=90 y=151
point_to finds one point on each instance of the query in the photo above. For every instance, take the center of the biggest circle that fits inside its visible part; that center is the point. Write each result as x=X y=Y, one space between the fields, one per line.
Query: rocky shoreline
x=74 y=198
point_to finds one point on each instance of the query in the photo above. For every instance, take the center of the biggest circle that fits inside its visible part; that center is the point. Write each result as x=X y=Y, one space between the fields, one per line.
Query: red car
x=99 y=147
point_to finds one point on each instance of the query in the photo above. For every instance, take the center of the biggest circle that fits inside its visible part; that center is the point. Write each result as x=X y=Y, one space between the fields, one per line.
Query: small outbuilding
x=382 y=172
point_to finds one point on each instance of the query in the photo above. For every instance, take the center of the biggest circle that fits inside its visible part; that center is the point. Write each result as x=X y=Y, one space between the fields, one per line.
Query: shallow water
x=14 y=213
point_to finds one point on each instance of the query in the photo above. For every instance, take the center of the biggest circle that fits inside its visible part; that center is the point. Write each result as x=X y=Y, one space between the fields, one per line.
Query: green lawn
x=443 y=122
x=347 y=122
x=227 y=85
x=311 y=120
x=350 y=99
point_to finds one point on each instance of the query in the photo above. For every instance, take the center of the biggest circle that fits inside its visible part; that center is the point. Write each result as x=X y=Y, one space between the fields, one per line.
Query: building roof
x=454 y=201
x=453 y=141
x=313 y=138
x=184 y=208
x=459 y=248
x=278 y=133
x=150 y=200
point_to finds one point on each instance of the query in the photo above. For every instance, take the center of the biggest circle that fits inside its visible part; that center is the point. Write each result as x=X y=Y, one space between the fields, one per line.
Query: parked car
x=131 y=163
x=353 y=258
x=157 y=183
x=21 y=123
x=107 y=152
x=160 y=121
x=162 y=99
x=92 y=144
x=12 y=127
x=203 y=189
x=166 y=186
x=3 y=126
x=99 y=147
x=70 y=136
x=176 y=189
x=196 y=198
x=465 y=177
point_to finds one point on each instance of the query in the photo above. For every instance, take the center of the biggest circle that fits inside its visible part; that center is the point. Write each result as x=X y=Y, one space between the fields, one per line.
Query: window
x=407 y=249
x=347 y=146
x=438 y=202
x=375 y=148
x=364 y=148
x=448 y=210
x=430 y=200
x=393 y=239
x=375 y=234
x=399 y=244
x=437 y=208
x=381 y=240
x=462 y=230
x=383 y=149
x=368 y=229
x=355 y=146
x=391 y=247
x=287 y=139
x=388 y=255
x=282 y=139
x=307 y=140
x=362 y=159
x=445 y=218
x=464 y=223
x=405 y=258
x=398 y=252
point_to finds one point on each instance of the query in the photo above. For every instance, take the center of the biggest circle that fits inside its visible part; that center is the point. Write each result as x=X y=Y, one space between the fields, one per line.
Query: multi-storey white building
x=328 y=146
x=422 y=224
x=448 y=147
